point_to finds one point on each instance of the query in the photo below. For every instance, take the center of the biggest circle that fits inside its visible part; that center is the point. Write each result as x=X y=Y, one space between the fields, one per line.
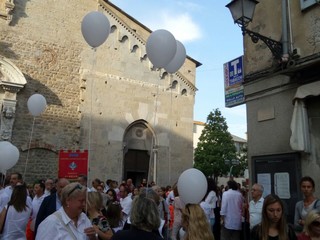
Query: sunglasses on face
x=73 y=189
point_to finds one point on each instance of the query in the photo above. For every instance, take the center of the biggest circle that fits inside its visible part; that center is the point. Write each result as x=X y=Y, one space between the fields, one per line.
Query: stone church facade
x=135 y=120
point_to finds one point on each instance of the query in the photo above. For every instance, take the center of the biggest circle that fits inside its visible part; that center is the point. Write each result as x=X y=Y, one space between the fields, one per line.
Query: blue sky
x=206 y=29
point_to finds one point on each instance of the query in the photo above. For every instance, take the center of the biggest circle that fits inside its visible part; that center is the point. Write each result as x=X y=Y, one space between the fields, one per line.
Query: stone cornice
x=86 y=75
x=104 y=5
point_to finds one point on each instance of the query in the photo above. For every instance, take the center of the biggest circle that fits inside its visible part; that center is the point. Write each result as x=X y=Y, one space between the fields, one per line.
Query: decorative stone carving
x=6 y=7
x=7 y=119
x=11 y=81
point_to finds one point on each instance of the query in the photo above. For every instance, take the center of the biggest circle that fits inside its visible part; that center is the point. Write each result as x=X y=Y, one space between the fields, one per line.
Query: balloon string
x=25 y=167
x=170 y=128
x=152 y=151
x=90 y=120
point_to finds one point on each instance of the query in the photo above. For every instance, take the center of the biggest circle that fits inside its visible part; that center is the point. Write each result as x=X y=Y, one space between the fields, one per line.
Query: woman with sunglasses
x=273 y=225
x=195 y=223
x=98 y=220
x=311 y=229
x=69 y=222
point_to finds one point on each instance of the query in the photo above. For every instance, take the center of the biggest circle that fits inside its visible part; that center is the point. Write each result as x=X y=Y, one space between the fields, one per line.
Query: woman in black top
x=145 y=220
x=273 y=225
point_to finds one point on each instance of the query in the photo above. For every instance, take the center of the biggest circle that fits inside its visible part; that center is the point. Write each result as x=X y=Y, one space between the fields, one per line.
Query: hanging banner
x=233 y=78
x=73 y=163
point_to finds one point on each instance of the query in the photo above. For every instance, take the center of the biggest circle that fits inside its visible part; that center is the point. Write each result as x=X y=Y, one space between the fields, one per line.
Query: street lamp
x=233 y=163
x=242 y=13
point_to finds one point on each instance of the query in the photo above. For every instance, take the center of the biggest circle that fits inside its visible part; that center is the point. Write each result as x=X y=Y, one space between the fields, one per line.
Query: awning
x=300 y=136
x=311 y=89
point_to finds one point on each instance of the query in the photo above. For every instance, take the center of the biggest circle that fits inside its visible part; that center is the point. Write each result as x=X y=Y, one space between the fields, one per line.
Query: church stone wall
x=93 y=95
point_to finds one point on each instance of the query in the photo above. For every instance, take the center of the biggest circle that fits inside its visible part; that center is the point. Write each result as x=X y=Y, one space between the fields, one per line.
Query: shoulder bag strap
x=315 y=204
x=5 y=218
x=58 y=215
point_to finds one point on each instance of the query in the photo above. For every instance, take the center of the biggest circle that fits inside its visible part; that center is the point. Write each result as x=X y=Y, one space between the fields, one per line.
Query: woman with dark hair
x=114 y=216
x=112 y=195
x=309 y=202
x=273 y=225
x=210 y=201
x=14 y=217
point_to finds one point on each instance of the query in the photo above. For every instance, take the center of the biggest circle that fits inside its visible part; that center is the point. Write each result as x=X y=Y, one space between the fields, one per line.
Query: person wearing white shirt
x=95 y=183
x=4 y=199
x=231 y=212
x=14 y=179
x=38 y=189
x=255 y=205
x=15 y=215
x=125 y=201
x=170 y=198
x=211 y=200
x=69 y=222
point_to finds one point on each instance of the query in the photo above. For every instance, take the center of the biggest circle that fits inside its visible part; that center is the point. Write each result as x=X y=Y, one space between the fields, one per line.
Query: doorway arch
x=139 y=155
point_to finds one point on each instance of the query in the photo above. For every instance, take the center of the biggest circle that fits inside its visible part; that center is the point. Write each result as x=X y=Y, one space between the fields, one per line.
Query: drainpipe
x=154 y=152
x=290 y=27
x=285 y=43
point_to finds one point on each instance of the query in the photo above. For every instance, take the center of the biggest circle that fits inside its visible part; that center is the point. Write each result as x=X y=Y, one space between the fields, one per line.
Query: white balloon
x=178 y=59
x=9 y=155
x=36 y=104
x=95 y=28
x=161 y=47
x=192 y=186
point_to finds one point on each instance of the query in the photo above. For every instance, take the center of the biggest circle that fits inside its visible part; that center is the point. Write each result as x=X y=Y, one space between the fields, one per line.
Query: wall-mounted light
x=242 y=12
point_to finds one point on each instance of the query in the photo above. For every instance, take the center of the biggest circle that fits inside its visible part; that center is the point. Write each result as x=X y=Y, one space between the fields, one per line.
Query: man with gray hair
x=255 y=205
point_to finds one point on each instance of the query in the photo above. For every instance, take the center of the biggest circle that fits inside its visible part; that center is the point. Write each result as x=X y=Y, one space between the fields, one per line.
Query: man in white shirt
x=14 y=179
x=125 y=201
x=255 y=205
x=95 y=183
x=231 y=213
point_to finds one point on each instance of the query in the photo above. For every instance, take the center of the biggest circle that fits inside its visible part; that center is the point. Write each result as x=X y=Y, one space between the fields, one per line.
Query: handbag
x=5 y=218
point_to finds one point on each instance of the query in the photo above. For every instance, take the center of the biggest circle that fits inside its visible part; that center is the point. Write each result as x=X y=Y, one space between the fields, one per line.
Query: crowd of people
x=60 y=209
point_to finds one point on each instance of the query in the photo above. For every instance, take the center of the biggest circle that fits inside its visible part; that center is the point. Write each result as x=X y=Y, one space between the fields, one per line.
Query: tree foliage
x=215 y=146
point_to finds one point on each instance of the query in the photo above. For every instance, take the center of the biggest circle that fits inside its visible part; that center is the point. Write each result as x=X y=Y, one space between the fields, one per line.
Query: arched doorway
x=138 y=155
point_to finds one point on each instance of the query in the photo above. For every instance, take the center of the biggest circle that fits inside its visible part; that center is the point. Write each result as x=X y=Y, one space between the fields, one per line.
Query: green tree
x=215 y=146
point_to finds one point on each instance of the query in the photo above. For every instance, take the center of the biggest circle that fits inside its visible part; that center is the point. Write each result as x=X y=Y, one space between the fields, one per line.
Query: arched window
x=174 y=84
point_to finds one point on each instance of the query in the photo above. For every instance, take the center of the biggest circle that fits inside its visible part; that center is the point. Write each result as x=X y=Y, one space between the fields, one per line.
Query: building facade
x=282 y=97
x=135 y=120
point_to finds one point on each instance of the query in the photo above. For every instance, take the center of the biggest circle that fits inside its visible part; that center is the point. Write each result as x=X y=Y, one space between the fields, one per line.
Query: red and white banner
x=73 y=163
